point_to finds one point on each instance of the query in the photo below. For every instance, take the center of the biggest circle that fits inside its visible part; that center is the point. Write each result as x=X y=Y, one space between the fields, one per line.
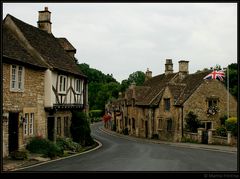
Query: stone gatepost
x=200 y=133
x=137 y=132
x=210 y=135
x=229 y=137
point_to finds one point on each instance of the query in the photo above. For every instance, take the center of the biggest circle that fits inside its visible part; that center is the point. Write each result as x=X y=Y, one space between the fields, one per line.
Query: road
x=119 y=154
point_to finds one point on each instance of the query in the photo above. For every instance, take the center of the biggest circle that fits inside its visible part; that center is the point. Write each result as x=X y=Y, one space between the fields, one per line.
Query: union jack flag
x=215 y=75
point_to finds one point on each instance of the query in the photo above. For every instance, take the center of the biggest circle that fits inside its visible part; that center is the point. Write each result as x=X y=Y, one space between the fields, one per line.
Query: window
x=169 y=124
x=31 y=123
x=28 y=126
x=59 y=126
x=167 y=104
x=17 y=76
x=62 y=84
x=212 y=103
x=78 y=86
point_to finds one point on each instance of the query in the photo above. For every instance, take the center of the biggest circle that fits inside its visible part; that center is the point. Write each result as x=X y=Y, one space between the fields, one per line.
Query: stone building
x=159 y=107
x=42 y=83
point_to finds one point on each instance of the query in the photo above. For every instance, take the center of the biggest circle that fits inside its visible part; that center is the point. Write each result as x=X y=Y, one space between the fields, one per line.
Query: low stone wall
x=191 y=136
x=224 y=140
x=219 y=140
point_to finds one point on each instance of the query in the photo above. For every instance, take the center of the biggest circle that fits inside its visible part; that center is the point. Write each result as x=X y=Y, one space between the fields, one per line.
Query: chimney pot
x=168 y=67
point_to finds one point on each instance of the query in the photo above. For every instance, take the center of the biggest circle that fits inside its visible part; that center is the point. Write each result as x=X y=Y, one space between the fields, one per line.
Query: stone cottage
x=160 y=106
x=42 y=83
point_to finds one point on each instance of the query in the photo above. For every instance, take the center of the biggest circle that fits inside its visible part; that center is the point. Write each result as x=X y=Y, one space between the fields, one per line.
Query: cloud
x=120 y=39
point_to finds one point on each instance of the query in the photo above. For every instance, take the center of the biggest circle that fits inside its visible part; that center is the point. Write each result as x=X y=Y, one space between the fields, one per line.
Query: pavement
x=9 y=165
x=36 y=159
x=212 y=147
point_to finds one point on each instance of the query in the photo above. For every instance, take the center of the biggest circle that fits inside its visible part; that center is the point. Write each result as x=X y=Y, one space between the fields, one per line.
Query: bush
x=80 y=129
x=38 y=145
x=68 y=144
x=114 y=127
x=54 y=150
x=231 y=125
x=95 y=113
x=221 y=131
x=223 y=119
x=155 y=136
x=19 y=155
x=44 y=146
x=192 y=122
x=125 y=131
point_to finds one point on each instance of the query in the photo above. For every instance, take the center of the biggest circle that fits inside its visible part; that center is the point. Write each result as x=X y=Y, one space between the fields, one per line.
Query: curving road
x=119 y=154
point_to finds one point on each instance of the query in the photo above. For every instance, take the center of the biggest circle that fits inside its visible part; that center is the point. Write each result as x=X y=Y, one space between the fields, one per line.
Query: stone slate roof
x=14 y=50
x=152 y=90
x=192 y=82
x=66 y=44
x=48 y=47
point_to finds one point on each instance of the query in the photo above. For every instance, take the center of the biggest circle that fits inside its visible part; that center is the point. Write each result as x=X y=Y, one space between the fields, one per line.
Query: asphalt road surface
x=119 y=154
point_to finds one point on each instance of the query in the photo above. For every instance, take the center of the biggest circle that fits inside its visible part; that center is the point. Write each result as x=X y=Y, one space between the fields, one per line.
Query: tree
x=192 y=122
x=80 y=129
x=137 y=77
x=233 y=79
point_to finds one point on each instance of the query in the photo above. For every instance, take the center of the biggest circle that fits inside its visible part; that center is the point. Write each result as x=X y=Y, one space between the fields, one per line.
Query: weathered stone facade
x=160 y=106
x=27 y=101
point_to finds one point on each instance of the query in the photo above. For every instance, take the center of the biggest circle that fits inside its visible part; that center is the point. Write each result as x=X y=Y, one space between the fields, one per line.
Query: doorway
x=50 y=128
x=146 y=129
x=13 y=132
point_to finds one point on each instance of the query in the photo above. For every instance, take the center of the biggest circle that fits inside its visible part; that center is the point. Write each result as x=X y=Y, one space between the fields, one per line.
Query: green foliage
x=233 y=79
x=137 y=77
x=68 y=144
x=188 y=140
x=192 y=122
x=231 y=125
x=19 y=155
x=54 y=150
x=155 y=136
x=96 y=113
x=38 y=145
x=80 y=129
x=222 y=131
x=125 y=131
x=114 y=127
x=223 y=119
x=44 y=146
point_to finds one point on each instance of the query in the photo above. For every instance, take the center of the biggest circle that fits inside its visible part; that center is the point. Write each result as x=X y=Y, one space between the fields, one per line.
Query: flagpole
x=228 y=91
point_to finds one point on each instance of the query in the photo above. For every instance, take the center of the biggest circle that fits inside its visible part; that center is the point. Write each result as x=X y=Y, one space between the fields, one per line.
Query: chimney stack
x=44 y=20
x=183 y=68
x=148 y=74
x=168 y=67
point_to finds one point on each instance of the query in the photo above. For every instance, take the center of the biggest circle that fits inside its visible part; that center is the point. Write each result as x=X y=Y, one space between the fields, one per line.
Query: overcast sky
x=121 y=38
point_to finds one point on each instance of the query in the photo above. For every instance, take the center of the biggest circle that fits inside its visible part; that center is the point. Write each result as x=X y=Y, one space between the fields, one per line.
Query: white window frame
x=78 y=86
x=62 y=84
x=26 y=124
x=31 y=124
x=18 y=79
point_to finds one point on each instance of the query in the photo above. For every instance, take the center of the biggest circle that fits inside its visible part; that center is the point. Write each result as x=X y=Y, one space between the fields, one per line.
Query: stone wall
x=198 y=103
x=30 y=100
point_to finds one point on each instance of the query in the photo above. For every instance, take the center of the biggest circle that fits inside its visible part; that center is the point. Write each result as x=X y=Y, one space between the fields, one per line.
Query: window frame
x=18 y=79
x=62 y=85
x=78 y=86
x=167 y=104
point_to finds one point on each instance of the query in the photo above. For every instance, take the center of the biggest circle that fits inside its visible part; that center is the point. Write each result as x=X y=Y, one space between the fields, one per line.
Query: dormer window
x=62 y=84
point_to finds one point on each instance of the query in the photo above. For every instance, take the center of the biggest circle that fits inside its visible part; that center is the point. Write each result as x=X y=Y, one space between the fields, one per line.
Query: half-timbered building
x=42 y=83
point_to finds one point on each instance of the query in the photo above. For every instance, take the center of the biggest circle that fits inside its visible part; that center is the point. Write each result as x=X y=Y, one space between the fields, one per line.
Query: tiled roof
x=48 y=47
x=152 y=90
x=66 y=44
x=14 y=50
